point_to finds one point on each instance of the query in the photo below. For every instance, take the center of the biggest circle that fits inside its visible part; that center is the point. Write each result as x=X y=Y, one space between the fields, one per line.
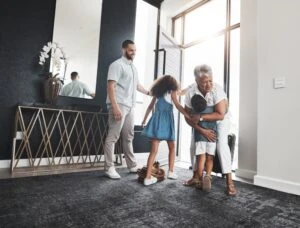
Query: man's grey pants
x=125 y=129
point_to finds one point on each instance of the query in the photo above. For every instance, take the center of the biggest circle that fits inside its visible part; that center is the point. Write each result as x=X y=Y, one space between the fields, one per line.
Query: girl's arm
x=178 y=105
x=149 y=109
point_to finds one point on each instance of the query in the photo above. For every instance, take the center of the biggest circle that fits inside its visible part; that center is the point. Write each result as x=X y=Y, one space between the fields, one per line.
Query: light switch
x=279 y=83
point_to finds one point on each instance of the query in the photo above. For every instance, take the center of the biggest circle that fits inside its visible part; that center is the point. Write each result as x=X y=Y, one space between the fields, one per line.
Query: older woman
x=216 y=97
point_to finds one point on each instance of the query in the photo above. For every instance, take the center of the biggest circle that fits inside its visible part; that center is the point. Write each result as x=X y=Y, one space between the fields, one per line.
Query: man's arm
x=112 y=97
x=141 y=89
x=87 y=91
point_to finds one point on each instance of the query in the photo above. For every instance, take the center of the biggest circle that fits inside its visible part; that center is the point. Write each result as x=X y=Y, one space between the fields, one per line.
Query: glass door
x=145 y=40
x=169 y=63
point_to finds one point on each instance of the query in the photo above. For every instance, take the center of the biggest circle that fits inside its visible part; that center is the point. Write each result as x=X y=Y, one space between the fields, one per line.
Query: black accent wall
x=27 y=25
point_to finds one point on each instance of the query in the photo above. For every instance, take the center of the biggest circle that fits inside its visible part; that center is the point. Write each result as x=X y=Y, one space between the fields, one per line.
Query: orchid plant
x=57 y=57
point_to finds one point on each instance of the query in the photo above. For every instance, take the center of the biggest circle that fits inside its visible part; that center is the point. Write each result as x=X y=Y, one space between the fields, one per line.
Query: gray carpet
x=89 y=199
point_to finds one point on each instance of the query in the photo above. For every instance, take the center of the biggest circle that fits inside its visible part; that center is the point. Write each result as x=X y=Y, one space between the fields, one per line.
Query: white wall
x=247 y=159
x=268 y=128
x=278 y=131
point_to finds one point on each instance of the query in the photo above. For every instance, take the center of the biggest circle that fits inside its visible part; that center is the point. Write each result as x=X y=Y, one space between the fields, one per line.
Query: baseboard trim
x=4 y=164
x=245 y=173
x=45 y=161
x=277 y=184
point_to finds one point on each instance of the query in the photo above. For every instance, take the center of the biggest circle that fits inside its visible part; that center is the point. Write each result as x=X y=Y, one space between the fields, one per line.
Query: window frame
x=226 y=31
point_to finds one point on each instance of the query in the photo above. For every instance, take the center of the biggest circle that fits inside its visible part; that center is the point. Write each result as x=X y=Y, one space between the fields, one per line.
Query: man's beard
x=130 y=57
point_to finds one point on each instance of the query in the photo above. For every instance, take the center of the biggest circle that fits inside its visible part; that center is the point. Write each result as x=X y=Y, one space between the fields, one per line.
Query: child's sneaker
x=199 y=184
x=150 y=181
x=172 y=175
x=206 y=185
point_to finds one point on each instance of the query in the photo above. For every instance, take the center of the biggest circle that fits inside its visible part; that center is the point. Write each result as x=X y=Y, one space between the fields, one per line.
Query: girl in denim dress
x=161 y=125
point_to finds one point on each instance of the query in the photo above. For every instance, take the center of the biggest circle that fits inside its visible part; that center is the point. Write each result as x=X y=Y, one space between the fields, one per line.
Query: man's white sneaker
x=112 y=173
x=172 y=175
x=150 y=181
x=134 y=169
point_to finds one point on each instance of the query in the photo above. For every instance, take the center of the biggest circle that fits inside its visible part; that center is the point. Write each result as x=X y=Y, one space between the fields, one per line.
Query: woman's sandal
x=191 y=182
x=231 y=190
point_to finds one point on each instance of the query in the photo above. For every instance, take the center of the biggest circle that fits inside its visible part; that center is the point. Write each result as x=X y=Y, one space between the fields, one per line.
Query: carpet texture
x=89 y=199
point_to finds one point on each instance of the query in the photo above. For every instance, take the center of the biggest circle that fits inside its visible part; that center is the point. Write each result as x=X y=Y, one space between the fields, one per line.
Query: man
x=76 y=88
x=215 y=97
x=122 y=83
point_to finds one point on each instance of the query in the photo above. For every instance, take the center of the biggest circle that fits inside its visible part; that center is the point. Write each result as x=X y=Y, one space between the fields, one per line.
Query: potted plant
x=52 y=87
x=53 y=55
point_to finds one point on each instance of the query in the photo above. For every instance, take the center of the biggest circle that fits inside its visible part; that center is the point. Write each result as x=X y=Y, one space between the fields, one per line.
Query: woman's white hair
x=202 y=70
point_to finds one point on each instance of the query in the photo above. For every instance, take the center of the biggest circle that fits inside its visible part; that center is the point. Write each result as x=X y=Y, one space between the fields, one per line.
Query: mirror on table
x=77 y=31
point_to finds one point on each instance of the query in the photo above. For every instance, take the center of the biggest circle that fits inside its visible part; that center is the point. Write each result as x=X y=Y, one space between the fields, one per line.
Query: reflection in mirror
x=77 y=31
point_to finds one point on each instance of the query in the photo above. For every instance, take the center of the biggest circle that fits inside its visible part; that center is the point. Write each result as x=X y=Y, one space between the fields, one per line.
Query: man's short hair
x=203 y=69
x=126 y=43
x=74 y=75
x=198 y=103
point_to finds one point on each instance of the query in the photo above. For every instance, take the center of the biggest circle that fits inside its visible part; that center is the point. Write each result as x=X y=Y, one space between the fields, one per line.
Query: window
x=235 y=6
x=178 y=32
x=209 y=32
x=204 y=21
x=210 y=52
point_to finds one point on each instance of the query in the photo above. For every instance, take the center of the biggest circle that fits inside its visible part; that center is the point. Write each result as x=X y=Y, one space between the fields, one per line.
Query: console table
x=52 y=137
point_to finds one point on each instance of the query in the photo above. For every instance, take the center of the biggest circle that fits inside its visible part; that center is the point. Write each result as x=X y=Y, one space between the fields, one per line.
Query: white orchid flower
x=46 y=49
x=44 y=55
x=58 y=56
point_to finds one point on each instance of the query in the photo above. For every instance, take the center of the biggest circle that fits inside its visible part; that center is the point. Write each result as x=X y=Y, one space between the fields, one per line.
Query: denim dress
x=161 y=124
